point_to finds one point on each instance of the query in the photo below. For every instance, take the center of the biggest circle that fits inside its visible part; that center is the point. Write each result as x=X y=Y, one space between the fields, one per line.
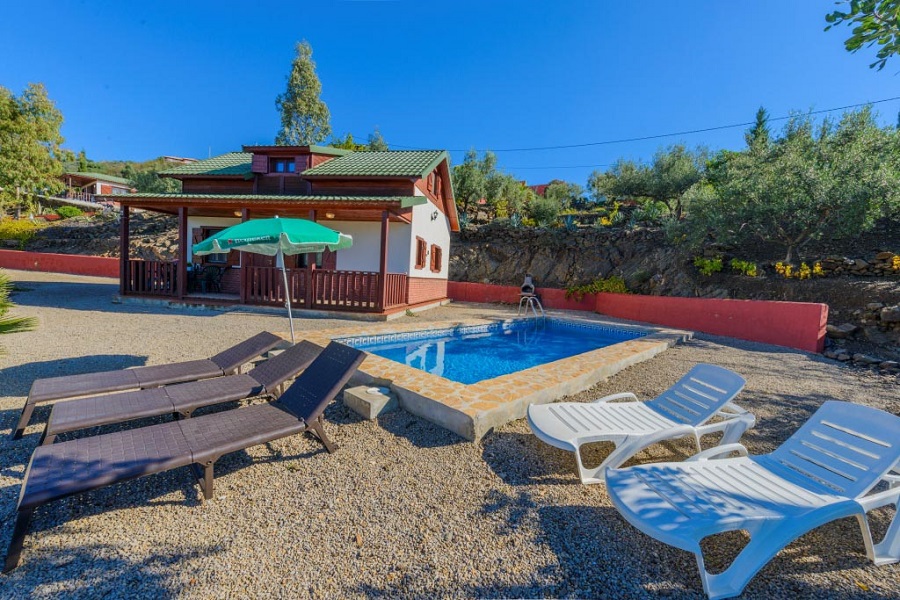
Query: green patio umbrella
x=275 y=237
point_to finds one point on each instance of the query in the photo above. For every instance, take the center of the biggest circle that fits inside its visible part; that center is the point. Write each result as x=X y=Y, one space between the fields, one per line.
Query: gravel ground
x=404 y=508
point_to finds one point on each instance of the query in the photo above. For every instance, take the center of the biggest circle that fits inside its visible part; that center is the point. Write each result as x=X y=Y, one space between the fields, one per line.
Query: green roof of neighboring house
x=313 y=149
x=390 y=163
x=101 y=177
x=233 y=163
x=404 y=201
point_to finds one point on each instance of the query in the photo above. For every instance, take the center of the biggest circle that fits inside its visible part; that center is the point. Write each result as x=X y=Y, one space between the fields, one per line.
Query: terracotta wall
x=422 y=289
x=798 y=325
x=75 y=264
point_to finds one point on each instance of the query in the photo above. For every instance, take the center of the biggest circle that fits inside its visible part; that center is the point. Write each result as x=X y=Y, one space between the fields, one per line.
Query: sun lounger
x=682 y=410
x=181 y=399
x=87 y=384
x=823 y=472
x=68 y=468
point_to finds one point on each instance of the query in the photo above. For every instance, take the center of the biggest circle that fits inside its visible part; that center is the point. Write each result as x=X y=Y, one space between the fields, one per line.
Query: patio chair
x=823 y=472
x=72 y=386
x=68 y=468
x=181 y=399
x=681 y=411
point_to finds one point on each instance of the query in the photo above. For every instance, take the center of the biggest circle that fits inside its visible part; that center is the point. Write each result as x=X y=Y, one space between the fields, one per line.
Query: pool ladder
x=531 y=302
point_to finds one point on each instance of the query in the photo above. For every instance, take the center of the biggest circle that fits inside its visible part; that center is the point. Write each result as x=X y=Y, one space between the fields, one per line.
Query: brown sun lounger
x=87 y=384
x=68 y=468
x=180 y=399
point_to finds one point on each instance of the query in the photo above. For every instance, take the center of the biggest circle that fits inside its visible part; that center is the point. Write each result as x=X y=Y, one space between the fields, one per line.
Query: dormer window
x=282 y=165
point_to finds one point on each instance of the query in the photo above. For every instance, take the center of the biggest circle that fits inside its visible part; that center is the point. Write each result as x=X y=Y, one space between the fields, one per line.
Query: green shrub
x=67 y=212
x=744 y=267
x=613 y=285
x=708 y=266
x=544 y=211
x=21 y=231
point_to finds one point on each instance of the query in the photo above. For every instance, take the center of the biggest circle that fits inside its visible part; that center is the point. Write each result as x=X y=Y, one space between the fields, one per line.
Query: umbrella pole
x=287 y=292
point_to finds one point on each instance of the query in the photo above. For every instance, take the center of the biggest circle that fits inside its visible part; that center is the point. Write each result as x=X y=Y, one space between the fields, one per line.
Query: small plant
x=612 y=285
x=410 y=313
x=708 y=266
x=744 y=267
x=611 y=218
x=895 y=262
x=9 y=323
x=802 y=272
x=22 y=231
x=67 y=212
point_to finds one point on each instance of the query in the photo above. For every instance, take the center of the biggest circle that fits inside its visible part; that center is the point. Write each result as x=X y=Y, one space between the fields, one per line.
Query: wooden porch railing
x=347 y=290
x=265 y=285
x=395 y=290
x=151 y=277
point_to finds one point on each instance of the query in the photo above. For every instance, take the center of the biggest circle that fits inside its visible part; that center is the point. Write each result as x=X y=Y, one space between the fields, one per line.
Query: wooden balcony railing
x=331 y=290
x=395 y=290
x=348 y=290
x=265 y=285
x=151 y=277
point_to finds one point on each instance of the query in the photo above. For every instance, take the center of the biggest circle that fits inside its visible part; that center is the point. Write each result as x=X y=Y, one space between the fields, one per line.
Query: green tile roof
x=233 y=163
x=404 y=201
x=391 y=163
x=101 y=177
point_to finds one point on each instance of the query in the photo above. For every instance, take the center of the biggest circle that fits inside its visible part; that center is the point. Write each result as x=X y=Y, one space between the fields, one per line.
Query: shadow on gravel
x=17 y=379
x=522 y=459
x=419 y=432
x=100 y=571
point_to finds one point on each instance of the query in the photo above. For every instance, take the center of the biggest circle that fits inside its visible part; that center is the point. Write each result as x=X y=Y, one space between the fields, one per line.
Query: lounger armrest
x=735 y=421
x=879 y=499
x=718 y=452
x=619 y=396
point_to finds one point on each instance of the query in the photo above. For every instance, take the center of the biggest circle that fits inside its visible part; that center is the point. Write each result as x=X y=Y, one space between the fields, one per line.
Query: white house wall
x=434 y=230
x=365 y=253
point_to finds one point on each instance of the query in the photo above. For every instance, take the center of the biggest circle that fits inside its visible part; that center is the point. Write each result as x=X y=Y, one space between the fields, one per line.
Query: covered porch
x=253 y=279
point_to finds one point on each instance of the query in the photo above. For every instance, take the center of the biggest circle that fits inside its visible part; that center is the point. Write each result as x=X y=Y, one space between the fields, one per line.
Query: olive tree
x=833 y=179
x=666 y=179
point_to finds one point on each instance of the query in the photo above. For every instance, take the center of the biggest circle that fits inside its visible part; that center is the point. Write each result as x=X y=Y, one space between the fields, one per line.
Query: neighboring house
x=539 y=188
x=397 y=205
x=84 y=186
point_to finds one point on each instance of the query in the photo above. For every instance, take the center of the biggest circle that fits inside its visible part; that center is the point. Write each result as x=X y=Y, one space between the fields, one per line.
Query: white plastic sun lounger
x=682 y=410
x=821 y=473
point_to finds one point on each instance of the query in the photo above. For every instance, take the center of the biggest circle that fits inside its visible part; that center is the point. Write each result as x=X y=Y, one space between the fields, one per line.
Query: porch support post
x=382 y=266
x=310 y=270
x=245 y=260
x=123 y=249
x=182 y=251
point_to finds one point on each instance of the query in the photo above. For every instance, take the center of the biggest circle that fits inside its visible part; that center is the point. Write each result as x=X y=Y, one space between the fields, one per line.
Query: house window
x=421 y=250
x=282 y=165
x=435 y=259
x=214 y=259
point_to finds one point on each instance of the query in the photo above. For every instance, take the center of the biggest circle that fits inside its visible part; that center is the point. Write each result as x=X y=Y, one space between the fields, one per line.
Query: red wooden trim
x=182 y=251
x=421 y=250
x=383 y=259
x=123 y=249
x=245 y=214
x=436 y=258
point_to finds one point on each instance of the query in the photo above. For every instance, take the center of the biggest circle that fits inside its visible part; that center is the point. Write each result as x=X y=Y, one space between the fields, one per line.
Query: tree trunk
x=790 y=253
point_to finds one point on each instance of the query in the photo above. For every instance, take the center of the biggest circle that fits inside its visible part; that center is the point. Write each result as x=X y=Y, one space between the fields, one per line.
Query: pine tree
x=304 y=117
x=758 y=136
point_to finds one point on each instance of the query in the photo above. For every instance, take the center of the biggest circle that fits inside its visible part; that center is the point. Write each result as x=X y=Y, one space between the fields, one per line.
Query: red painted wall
x=76 y=264
x=798 y=325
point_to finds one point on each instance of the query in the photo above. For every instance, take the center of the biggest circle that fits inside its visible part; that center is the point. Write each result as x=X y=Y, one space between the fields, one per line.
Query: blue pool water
x=473 y=354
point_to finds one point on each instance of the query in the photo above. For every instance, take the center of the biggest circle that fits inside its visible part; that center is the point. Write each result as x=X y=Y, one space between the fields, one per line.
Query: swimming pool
x=471 y=354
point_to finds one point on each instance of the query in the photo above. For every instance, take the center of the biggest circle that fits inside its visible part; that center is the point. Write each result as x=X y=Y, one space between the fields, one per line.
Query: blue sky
x=136 y=80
